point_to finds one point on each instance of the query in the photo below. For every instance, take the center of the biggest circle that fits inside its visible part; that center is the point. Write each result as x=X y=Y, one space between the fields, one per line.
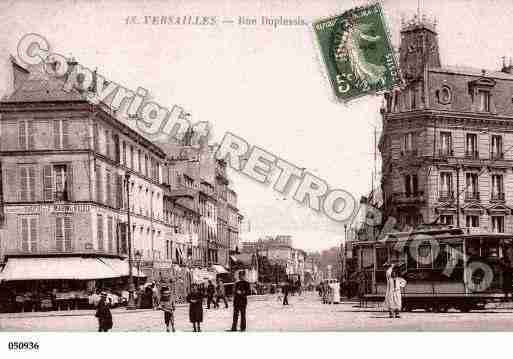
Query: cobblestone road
x=265 y=313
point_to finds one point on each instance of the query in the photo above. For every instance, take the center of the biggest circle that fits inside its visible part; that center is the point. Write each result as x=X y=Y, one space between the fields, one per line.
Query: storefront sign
x=49 y=208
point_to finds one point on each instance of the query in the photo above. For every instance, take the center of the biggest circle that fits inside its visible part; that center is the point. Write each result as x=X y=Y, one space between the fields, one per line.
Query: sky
x=264 y=84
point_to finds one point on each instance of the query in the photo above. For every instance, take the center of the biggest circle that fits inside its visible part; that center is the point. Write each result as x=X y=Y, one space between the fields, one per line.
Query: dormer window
x=483 y=97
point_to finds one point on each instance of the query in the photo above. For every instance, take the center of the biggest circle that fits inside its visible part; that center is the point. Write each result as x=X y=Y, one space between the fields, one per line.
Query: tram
x=444 y=267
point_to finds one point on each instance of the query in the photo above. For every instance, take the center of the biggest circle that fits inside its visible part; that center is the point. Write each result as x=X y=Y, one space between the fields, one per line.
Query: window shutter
x=100 y=232
x=68 y=232
x=23 y=184
x=99 y=190
x=122 y=233
x=65 y=134
x=95 y=136
x=59 y=234
x=119 y=190
x=32 y=183
x=22 y=135
x=69 y=181
x=56 y=134
x=31 y=134
x=108 y=190
x=33 y=235
x=109 y=234
x=47 y=183
x=24 y=235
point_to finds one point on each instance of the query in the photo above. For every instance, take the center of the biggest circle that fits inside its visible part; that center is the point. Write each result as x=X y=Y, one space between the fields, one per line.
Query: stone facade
x=447 y=135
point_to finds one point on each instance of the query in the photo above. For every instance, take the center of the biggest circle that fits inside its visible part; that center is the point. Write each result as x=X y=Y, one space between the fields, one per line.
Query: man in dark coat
x=285 y=290
x=195 y=300
x=103 y=314
x=240 y=302
x=211 y=290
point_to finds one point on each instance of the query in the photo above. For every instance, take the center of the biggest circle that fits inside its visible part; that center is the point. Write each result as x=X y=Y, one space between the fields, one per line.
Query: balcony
x=446 y=196
x=409 y=153
x=472 y=155
x=182 y=192
x=472 y=196
x=445 y=152
x=497 y=155
x=498 y=197
x=408 y=198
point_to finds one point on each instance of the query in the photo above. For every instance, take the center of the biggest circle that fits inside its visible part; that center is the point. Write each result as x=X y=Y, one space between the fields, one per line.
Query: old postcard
x=270 y=166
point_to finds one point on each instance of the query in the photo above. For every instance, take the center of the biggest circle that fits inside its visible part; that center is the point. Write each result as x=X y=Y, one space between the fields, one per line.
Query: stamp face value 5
x=357 y=52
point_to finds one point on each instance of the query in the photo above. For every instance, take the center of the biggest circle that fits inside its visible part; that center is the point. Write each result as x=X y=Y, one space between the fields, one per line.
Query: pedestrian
x=507 y=279
x=285 y=289
x=155 y=295
x=211 y=290
x=103 y=314
x=240 y=302
x=195 y=300
x=167 y=304
x=221 y=293
x=393 y=300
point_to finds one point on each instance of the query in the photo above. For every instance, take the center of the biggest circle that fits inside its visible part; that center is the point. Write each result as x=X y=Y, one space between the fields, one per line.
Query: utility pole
x=131 y=288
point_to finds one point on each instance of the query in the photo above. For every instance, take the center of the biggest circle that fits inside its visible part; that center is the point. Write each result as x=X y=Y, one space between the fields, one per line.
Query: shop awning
x=56 y=268
x=120 y=267
x=219 y=269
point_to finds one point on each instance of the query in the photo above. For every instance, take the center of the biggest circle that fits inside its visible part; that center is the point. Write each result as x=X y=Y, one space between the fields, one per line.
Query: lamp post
x=131 y=288
x=138 y=257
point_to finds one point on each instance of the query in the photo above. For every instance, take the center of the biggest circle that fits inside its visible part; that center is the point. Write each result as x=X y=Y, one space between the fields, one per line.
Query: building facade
x=446 y=140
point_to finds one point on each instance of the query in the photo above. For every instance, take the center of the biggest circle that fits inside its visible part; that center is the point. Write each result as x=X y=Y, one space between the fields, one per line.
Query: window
x=445 y=144
x=446 y=188
x=131 y=157
x=497 y=224
x=413 y=98
x=471 y=145
x=411 y=185
x=108 y=191
x=497 y=187
x=472 y=186
x=26 y=133
x=484 y=100
x=63 y=232
x=61 y=134
x=123 y=158
x=407 y=143
x=108 y=143
x=96 y=137
x=110 y=239
x=29 y=233
x=447 y=219
x=146 y=165
x=444 y=95
x=424 y=256
x=62 y=184
x=496 y=150
x=27 y=175
x=472 y=221
x=99 y=226
x=139 y=161
x=99 y=184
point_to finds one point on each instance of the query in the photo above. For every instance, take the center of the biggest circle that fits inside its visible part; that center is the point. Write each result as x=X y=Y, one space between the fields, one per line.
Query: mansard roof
x=472 y=71
x=42 y=87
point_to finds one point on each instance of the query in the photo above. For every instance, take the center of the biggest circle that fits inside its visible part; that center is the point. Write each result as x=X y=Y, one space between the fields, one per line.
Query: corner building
x=447 y=139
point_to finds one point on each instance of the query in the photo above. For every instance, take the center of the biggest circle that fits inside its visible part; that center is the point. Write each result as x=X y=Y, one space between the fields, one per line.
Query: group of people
x=195 y=297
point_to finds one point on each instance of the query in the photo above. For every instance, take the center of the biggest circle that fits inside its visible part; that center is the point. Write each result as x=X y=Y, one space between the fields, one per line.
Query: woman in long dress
x=195 y=300
x=393 y=300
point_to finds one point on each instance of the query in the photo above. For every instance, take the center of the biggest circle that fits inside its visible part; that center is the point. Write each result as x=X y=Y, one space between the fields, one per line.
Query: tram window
x=443 y=257
x=424 y=257
x=381 y=257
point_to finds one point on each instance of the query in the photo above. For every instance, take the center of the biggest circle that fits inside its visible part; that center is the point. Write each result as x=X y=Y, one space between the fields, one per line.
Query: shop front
x=60 y=282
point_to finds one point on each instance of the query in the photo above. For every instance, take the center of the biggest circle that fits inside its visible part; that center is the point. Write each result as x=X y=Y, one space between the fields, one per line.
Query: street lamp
x=138 y=257
x=131 y=288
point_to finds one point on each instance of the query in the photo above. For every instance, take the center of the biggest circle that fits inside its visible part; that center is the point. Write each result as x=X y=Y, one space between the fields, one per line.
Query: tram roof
x=456 y=234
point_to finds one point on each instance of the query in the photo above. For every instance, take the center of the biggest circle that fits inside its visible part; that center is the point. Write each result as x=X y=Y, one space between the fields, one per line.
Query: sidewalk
x=91 y=312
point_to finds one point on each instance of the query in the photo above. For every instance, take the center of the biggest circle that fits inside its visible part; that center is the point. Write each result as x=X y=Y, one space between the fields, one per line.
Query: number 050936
x=23 y=346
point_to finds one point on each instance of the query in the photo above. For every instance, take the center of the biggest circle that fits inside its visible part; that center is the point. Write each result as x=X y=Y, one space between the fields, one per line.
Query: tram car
x=444 y=268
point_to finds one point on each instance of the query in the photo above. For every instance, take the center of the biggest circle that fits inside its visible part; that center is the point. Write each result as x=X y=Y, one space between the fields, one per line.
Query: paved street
x=265 y=313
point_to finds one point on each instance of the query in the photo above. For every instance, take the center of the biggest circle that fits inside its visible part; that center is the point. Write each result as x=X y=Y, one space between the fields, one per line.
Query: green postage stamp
x=357 y=52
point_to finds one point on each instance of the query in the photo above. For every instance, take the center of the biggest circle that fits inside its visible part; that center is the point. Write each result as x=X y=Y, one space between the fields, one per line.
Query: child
x=195 y=299
x=167 y=304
